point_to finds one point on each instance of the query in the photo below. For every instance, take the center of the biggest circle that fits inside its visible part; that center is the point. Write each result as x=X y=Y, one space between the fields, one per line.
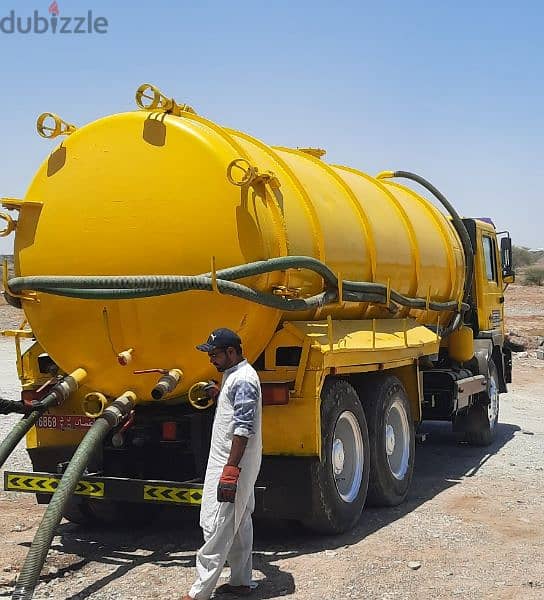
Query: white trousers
x=222 y=543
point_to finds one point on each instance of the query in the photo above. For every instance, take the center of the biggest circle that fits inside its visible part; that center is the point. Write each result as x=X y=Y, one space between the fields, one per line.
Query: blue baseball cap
x=220 y=338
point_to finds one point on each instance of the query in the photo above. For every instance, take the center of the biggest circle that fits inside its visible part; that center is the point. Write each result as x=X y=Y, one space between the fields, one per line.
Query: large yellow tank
x=143 y=193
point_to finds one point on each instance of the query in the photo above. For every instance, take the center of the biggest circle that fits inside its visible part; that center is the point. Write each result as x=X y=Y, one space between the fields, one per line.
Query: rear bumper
x=109 y=488
x=283 y=489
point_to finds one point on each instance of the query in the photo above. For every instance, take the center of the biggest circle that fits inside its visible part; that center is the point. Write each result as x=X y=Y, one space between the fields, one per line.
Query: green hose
x=127 y=287
x=59 y=392
x=16 y=435
x=21 y=428
x=30 y=573
x=468 y=250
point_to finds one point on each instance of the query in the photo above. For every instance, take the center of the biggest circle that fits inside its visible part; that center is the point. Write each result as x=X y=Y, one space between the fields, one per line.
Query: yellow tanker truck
x=364 y=308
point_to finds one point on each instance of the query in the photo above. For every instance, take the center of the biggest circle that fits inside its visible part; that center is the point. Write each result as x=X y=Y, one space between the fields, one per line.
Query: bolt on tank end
x=94 y=404
x=166 y=384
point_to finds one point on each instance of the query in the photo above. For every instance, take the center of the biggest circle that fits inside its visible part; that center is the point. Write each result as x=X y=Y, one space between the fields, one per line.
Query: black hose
x=457 y=223
x=30 y=573
x=8 y=407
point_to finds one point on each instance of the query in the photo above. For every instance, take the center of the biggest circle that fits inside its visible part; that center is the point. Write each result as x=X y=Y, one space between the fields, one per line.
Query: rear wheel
x=111 y=513
x=483 y=415
x=392 y=440
x=77 y=511
x=340 y=478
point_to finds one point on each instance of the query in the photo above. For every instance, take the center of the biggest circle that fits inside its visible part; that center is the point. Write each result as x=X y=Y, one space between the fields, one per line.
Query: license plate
x=64 y=422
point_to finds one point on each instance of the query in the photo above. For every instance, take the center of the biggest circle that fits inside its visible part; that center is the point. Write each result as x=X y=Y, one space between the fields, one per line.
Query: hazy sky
x=451 y=90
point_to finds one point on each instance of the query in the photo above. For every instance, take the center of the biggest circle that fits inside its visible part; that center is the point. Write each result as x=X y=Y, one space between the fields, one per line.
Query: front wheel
x=340 y=478
x=482 y=417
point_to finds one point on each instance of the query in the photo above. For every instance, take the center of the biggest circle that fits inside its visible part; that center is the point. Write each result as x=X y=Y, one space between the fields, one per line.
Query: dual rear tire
x=366 y=455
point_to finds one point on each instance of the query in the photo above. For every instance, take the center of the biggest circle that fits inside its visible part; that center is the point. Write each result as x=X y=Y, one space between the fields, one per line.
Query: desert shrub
x=522 y=257
x=534 y=276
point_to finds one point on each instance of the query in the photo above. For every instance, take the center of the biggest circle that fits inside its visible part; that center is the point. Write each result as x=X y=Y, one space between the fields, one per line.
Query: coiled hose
x=125 y=287
x=30 y=573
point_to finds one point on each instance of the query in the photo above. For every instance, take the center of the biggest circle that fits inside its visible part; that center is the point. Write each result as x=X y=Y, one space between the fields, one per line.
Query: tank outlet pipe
x=94 y=404
x=58 y=394
x=112 y=416
x=167 y=383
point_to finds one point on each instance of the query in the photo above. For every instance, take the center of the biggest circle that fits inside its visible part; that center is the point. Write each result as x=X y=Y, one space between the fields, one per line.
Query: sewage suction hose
x=110 y=418
x=455 y=219
x=58 y=394
x=124 y=287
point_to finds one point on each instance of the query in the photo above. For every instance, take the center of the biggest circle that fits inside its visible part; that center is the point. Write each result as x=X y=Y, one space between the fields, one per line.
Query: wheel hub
x=338 y=456
x=347 y=456
x=397 y=439
x=493 y=406
x=389 y=440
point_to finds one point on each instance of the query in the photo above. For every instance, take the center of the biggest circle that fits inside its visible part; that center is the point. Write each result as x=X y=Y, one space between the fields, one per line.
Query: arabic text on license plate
x=64 y=422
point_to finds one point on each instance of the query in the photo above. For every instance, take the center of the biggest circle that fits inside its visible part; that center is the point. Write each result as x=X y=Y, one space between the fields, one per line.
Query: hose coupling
x=167 y=383
x=62 y=390
x=119 y=409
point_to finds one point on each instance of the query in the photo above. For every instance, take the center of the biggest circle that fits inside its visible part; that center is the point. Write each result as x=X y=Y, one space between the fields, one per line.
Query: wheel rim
x=493 y=406
x=397 y=439
x=347 y=456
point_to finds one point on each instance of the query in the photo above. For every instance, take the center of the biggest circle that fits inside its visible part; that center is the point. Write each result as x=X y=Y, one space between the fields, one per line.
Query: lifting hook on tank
x=250 y=175
x=166 y=384
x=149 y=97
x=10 y=226
x=50 y=126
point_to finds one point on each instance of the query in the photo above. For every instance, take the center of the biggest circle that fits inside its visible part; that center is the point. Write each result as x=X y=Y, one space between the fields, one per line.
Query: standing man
x=233 y=465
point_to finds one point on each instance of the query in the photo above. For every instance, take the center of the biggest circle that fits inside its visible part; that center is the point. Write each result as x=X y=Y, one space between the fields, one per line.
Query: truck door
x=489 y=281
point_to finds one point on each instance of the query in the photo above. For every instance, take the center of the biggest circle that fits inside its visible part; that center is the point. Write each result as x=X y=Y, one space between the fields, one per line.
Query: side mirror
x=508 y=273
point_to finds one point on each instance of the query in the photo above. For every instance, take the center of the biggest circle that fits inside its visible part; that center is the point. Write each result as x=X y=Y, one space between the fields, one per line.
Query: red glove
x=228 y=482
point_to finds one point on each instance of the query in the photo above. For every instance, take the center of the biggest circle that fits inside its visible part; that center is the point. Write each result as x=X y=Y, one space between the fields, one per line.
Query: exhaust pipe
x=58 y=394
x=112 y=416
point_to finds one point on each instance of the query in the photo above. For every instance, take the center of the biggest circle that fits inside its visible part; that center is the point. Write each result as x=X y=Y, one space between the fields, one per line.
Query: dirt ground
x=472 y=527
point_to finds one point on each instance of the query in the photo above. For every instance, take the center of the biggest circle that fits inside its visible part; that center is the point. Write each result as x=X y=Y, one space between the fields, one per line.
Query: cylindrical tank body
x=146 y=193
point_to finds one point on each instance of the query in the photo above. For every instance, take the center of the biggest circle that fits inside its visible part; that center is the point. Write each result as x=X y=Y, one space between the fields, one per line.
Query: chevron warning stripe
x=161 y=493
x=28 y=483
